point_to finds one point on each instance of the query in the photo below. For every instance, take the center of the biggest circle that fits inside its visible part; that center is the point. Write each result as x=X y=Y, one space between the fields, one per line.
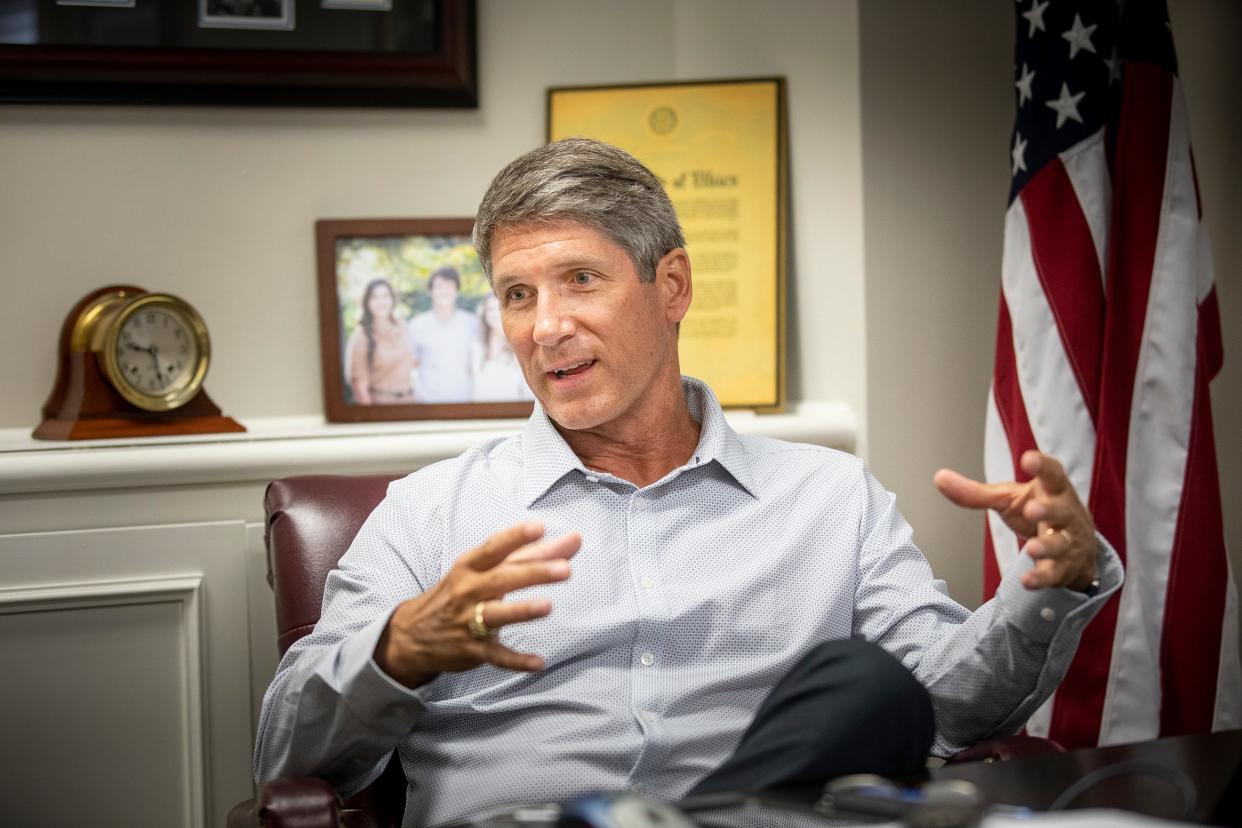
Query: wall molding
x=278 y=447
x=183 y=590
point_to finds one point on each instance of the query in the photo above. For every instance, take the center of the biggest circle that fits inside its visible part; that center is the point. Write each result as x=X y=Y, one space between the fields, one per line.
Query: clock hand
x=155 y=357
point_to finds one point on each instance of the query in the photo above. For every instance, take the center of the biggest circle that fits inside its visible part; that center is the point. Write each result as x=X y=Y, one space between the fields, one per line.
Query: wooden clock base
x=83 y=406
x=103 y=428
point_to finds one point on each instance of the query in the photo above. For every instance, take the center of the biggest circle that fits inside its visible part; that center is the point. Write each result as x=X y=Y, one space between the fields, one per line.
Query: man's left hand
x=1045 y=509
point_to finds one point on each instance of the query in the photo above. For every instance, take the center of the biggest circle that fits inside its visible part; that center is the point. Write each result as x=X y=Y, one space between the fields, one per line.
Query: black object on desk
x=1197 y=778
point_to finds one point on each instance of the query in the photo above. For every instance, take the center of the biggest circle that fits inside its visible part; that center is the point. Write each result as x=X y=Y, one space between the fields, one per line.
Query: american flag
x=1108 y=337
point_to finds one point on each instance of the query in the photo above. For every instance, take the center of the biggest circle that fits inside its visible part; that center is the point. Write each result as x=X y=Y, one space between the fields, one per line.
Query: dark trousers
x=846 y=707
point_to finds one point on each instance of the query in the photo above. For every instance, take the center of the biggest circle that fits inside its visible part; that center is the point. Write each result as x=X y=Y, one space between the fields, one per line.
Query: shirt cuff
x=374 y=697
x=1039 y=613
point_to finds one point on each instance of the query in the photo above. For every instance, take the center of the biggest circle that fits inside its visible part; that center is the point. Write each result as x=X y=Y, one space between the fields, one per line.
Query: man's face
x=443 y=293
x=596 y=345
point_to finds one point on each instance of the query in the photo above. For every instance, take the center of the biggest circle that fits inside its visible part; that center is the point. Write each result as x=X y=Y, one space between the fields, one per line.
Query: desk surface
x=1146 y=780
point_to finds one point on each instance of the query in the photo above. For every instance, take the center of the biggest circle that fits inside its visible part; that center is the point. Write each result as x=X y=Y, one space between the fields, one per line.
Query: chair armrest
x=295 y=802
x=1006 y=747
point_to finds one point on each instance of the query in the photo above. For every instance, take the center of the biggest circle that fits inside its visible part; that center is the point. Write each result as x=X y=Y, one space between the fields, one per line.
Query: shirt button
x=639 y=505
x=646 y=659
x=592 y=478
x=1048 y=614
x=647 y=582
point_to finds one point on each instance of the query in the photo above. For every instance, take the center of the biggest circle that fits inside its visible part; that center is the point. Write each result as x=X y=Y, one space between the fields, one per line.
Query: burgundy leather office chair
x=311 y=521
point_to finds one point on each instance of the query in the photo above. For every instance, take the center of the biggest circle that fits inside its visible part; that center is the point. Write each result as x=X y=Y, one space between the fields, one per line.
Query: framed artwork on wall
x=417 y=53
x=409 y=327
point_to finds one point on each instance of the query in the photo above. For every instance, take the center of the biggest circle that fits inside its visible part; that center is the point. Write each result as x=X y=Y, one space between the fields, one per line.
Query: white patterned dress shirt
x=689 y=599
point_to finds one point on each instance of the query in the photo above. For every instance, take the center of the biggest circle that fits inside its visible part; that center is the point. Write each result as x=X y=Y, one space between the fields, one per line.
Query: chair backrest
x=311 y=520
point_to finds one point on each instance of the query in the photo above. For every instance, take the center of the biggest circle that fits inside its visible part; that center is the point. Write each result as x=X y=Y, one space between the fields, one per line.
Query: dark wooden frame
x=100 y=75
x=331 y=346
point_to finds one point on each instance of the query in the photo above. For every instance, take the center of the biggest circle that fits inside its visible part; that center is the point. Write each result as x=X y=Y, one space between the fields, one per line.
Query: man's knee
x=845 y=707
x=854 y=660
x=870 y=686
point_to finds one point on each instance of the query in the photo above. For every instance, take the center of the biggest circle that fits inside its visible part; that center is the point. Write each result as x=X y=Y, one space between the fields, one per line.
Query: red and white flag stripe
x=1107 y=339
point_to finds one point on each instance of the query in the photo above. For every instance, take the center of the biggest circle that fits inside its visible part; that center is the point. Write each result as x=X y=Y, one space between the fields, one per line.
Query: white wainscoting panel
x=103 y=666
x=126 y=691
x=264 y=654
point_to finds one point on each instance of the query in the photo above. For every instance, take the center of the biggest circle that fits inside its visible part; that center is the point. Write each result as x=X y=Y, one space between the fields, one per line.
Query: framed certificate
x=719 y=148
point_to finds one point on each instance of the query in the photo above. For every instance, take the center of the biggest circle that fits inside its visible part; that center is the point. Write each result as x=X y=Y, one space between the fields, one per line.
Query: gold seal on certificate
x=719 y=148
x=663 y=120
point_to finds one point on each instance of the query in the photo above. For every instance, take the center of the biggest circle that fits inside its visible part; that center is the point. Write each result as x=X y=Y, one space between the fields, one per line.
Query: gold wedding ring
x=1063 y=533
x=477 y=626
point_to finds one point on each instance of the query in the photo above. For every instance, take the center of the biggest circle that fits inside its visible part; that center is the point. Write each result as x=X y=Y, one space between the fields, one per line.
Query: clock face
x=157 y=353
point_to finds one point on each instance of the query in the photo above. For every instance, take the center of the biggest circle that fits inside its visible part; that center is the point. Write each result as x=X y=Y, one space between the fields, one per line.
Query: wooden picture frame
x=720 y=148
x=419 y=53
x=441 y=344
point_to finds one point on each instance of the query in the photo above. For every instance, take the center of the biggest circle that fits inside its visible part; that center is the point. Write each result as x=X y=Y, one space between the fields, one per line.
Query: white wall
x=936 y=117
x=218 y=204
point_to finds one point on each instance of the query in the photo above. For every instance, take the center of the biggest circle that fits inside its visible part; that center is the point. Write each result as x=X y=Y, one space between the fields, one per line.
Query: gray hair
x=586 y=181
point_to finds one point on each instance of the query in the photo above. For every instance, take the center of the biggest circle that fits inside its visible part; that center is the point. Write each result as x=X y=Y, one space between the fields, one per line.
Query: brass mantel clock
x=131 y=364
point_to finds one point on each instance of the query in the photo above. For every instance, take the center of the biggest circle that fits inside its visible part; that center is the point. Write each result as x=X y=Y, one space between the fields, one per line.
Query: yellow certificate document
x=719 y=149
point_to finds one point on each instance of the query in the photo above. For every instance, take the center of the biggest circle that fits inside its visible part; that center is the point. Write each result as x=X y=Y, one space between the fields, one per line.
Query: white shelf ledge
x=279 y=446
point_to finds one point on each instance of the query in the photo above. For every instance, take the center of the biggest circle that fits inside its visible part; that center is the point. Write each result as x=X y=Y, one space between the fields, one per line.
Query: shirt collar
x=717 y=439
x=546 y=457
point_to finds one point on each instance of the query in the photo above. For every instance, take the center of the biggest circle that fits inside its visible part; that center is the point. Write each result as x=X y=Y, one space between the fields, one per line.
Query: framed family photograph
x=409 y=326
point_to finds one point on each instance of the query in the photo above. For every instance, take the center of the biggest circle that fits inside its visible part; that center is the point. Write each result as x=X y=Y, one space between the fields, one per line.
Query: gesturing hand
x=431 y=633
x=1045 y=509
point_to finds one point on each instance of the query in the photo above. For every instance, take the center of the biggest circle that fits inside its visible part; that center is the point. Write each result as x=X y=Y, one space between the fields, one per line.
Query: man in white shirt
x=441 y=339
x=742 y=612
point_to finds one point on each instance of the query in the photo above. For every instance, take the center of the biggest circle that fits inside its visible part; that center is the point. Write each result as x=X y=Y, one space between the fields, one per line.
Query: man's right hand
x=430 y=633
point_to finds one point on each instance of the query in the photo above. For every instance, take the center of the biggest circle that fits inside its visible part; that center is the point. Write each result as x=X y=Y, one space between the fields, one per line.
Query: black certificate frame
x=444 y=76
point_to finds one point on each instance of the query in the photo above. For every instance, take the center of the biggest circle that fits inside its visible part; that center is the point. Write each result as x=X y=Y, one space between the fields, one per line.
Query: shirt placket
x=648 y=655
